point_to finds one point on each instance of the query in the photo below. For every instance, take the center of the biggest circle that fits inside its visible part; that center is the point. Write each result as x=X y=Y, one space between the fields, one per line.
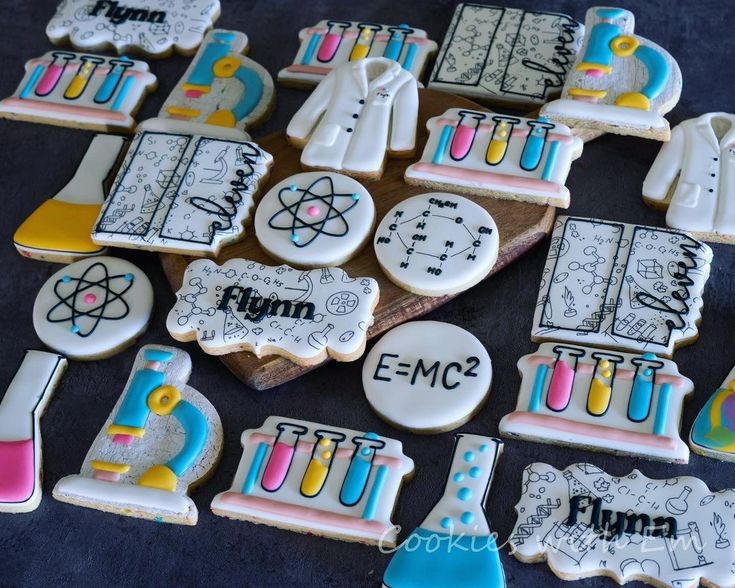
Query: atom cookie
x=436 y=244
x=416 y=384
x=242 y=305
x=161 y=440
x=93 y=308
x=713 y=432
x=315 y=219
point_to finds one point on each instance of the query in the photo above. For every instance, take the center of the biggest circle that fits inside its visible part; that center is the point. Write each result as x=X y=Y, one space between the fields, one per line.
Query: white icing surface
x=420 y=385
x=701 y=549
x=325 y=312
x=656 y=436
x=457 y=249
x=330 y=216
x=42 y=94
x=149 y=26
x=358 y=112
x=310 y=65
x=699 y=164
x=109 y=309
x=621 y=286
x=182 y=192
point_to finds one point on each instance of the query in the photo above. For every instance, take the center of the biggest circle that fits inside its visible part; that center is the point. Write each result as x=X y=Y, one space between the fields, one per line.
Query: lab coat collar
x=704 y=124
x=391 y=69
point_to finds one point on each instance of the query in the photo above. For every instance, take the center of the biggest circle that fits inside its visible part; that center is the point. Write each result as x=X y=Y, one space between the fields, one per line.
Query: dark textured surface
x=60 y=544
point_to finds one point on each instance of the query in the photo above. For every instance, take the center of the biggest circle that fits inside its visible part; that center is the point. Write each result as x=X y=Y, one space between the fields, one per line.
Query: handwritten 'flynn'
x=255 y=308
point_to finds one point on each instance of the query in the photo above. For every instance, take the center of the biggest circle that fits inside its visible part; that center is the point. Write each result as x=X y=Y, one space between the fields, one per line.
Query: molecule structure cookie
x=152 y=27
x=315 y=219
x=162 y=439
x=318 y=479
x=93 y=308
x=427 y=376
x=436 y=244
x=21 y=408
x=713 y=432
x=584 y=522
x=80 y=90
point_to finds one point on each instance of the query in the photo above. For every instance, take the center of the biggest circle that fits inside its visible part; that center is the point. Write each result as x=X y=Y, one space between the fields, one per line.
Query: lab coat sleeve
x=405 y=117
x=308 y=115
x=666 y=166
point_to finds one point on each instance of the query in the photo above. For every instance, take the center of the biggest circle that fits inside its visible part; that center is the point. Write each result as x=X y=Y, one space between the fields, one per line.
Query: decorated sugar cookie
x=315 y=219
x=360 y=113
x=318 y=479
x=242 y=305
x=331 y=43
x=162 y=439
x=713 y=432
x=153 y=27
x=454 y=545
x=507 y=55
x=621 y=82
x=496 y=155
x=691 y=178
x=21 y=409
x=221 y=87
x=60 y=229
x=584 y=522
x=601 y=400
x=183 y=189
x=622 y=286
x=93 y=308
x=80 y=90
x=436 y=244
x=415 y=383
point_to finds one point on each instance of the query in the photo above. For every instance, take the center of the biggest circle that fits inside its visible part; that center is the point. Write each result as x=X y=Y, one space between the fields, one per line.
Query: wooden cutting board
x=520 y=225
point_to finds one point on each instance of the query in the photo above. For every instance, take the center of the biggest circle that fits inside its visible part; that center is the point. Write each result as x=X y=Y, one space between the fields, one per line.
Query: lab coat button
x=349 y=130
x=355 y=116
x=362 y=101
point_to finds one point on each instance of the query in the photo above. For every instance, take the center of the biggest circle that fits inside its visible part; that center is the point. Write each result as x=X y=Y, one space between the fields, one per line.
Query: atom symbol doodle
x=93 y=295
x=307 y=211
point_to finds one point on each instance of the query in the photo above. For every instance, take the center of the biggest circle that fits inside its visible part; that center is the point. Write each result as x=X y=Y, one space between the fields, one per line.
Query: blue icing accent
x=648 y=355
x=464 y=494
x=372 y=436
x=134 y=411
x=469 y=456
x=355 y=197
x=458 y=477
x=252 y=92
x=640 y=399
x=195 y=430
x=537 y=391
x=75 y=329
x=410 y=56
x=533 y=150
x=203 y=74
x=293 y=187
x=35 y=76
x=310 y=49
x=109 y=85
x=598 y=46
x=475 y=472
x=128 y=277
x=662 y=409
x=446 y=523
x=550 y=161
x=122 y=94
x=66 y=279
x=705 y=433
x=467 y=518
x=441 y=147
x=611 y=13
x=483 y=448
x=394 y=46
x=357 y=476
x=157 y=355
x=254 y=470
x=295 y=238
x=658 y=71
x=431 y=559
x=372 y=502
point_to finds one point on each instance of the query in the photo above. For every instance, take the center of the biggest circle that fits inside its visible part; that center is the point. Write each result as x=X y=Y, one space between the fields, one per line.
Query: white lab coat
x=704 y=198
x=366 y=107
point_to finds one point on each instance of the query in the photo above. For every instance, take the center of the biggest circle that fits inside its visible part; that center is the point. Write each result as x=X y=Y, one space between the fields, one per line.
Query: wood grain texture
x=521 y=226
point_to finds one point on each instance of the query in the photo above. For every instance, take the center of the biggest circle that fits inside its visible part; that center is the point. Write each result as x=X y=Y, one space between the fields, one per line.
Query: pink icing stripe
x=560 y=389
x=17 y=470
x=100 y=114
x=309 y=69
x=488 y=128
x=556 y=423
x=379 y=37
x=99 y=70
x=107 y=476
x=483 y=177
x=304 y=514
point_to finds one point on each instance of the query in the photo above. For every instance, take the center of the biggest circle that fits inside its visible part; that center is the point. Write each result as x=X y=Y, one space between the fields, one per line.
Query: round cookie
x=93 y=308
x=437 y=244
x=315 y=219
x=427 y=376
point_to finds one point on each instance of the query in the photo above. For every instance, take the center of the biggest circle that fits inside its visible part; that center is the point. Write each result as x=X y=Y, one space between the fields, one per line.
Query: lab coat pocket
x=326 y=134
x=687 y=195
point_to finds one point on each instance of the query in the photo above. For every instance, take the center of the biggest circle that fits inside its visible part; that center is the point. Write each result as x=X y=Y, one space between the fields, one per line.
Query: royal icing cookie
x=162 y=439
x=80 y=90
x=93 y=308
x=598 y=399
x=693 y=178
x=584 y=522
x=60 y=229
x=620 y=83
x=222 y=87
x=182 y=191
x=713 y=432
x=21 y=409
x=623 y=286
x=318 y=479
x=242 y=305
x=359 y=113
x=506 y=55
x=331 y=43
x=454 y=545
x=153 y=27
x=436 y=244
x=315 y=219
x=500 y=156
x=415 y=384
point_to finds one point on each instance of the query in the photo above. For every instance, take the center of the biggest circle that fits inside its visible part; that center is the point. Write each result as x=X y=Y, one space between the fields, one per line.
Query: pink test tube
x=53 y=73
x=562 y=380
x=281 y=456
x=465 y=133
x=332 y=40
